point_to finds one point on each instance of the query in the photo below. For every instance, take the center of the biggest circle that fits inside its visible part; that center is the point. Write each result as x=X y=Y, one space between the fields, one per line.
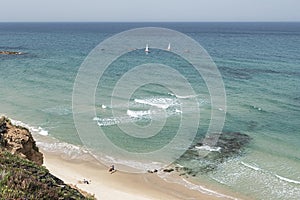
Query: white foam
x=208 y=148
x=138 y=113
x=32 y=129
x=50 y=144
x=206 y=190
x=219 y=181
x=96 y=118
x=258 y=108
x=107 y=121
x=178 y=111
x=183 y=97
x=66 y=150
x=287 y=179
x=186 y=96
x=250 y=166
x=162 y=103
x=110 y=121
x=193 y=186
x=103 y=106
x=42 y=131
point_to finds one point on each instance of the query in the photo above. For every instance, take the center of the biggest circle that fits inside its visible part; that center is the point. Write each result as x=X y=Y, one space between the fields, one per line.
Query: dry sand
x=118 y=185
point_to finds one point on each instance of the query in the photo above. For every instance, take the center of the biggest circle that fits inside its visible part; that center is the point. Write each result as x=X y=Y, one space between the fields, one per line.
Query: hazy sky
x=149 y=10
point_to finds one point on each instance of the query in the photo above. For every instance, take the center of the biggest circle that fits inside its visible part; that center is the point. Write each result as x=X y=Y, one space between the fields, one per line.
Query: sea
x=258 y=63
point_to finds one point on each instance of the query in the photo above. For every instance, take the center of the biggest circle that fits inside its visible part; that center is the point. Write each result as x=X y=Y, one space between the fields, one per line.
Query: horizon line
x=149 y=21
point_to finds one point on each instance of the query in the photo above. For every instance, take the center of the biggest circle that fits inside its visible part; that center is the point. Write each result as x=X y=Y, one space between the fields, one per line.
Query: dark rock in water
x=189 y=171
x=231 y=144
x=10 y=53
x=152 y=171
x=3 y=127
x=228 y=145
x=168 y=170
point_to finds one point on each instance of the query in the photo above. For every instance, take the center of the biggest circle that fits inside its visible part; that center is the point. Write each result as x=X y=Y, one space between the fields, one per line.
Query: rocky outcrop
x=19 y=141
x=230 y=144
x=10 y=53
x=168 y=170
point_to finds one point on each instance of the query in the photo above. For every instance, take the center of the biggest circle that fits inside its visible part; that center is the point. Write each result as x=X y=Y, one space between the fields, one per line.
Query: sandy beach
x=120 y=185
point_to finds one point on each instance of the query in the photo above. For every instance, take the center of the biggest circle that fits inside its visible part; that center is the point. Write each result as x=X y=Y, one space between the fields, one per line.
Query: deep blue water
x=259 y=64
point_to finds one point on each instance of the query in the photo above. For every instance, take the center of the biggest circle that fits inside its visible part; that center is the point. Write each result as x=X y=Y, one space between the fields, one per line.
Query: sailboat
x=147 y=49
x=169 y=47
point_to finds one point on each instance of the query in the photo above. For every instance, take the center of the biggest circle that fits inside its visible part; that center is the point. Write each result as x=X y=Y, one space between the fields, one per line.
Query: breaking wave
x=139 y=113
x=36 y=130
x=160 y=107
x=162 y=103
x=208 y=148
x=287 y=179
x=250 y=166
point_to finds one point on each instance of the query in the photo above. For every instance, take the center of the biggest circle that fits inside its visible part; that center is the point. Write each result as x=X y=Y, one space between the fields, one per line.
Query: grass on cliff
x=23 y=179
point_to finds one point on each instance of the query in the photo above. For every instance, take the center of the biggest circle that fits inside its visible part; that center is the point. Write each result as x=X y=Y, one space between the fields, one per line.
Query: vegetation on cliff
x=21 y=178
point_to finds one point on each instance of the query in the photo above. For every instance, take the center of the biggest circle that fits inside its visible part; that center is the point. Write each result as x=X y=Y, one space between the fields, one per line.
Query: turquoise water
x=259 y=63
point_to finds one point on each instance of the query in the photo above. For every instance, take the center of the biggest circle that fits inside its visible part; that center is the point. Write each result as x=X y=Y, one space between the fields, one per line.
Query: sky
x=148 y=10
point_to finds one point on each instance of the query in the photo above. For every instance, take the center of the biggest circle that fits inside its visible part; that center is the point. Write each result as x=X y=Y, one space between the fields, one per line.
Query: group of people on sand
x=111 y=169
x=86 y=181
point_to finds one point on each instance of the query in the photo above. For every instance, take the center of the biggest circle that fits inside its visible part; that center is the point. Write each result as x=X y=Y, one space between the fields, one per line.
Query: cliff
x=21 y=174
x=19 y=141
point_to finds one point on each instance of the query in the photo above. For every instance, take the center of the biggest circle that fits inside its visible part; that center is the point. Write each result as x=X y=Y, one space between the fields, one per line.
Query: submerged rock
x=19 y=141
x=152 y=171
x=229 y=144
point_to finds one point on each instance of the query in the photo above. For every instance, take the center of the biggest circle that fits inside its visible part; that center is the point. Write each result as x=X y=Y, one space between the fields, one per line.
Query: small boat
x=169 y=47
x=147 y=49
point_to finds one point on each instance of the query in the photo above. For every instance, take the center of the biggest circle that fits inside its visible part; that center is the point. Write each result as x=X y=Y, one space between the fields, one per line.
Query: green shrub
x=23 y=179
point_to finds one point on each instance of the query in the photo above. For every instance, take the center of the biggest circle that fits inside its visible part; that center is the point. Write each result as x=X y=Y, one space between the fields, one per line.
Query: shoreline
x=121 y=185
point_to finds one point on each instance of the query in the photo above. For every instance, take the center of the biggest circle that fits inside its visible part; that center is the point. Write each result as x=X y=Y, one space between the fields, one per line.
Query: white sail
x=147 y=48
x=169 y=47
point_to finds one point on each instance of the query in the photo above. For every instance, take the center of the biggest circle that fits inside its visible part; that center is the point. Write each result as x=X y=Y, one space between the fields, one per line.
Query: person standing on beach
x=112 y=169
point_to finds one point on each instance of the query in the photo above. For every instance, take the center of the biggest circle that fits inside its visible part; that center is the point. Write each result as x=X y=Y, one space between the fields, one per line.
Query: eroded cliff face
x=21 y=178
x=19 y=141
